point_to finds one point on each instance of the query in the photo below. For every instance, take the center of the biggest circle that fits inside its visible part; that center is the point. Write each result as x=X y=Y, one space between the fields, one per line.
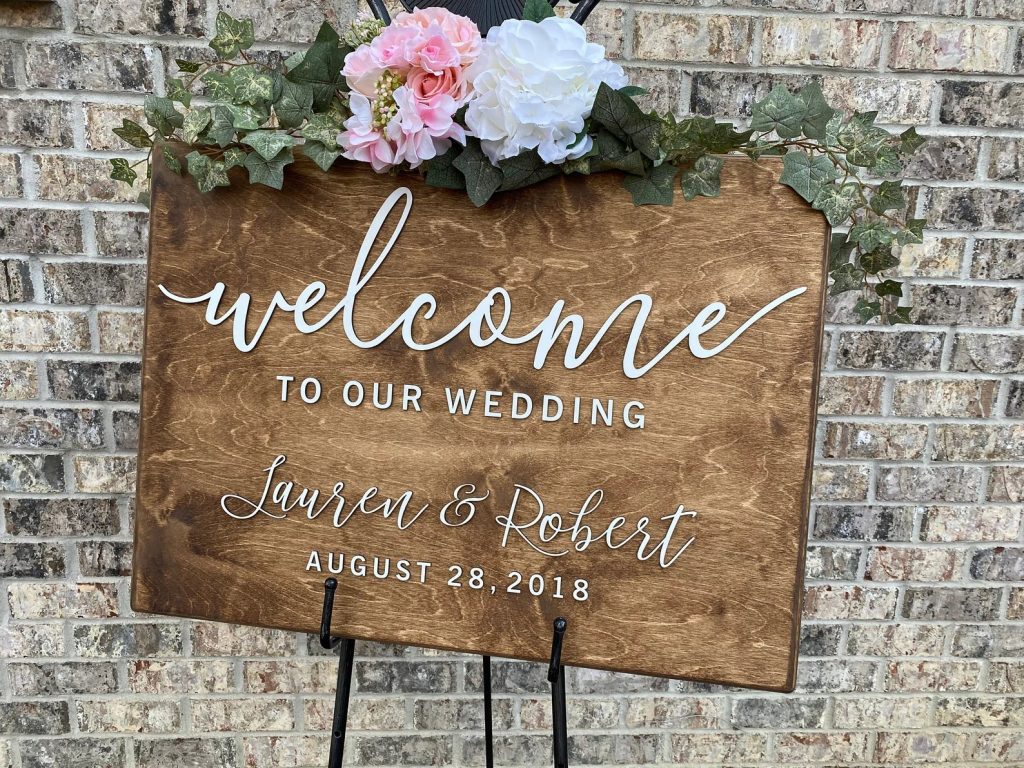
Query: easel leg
x=345 y=662
x=488 y=716
x=556 y=676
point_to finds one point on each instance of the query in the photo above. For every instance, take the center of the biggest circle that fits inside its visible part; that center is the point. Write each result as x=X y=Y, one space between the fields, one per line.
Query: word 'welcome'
x=480 y=324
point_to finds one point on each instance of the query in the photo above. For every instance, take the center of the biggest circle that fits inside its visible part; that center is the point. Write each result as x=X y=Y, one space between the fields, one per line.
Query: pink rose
x=433 y=52
x=460 y=31
x=428 y=85
x=361 y=70
x=395 y=47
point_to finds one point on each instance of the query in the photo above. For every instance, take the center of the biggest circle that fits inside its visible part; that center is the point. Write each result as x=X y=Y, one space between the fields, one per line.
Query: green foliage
x=257 y=117
x=537 y=10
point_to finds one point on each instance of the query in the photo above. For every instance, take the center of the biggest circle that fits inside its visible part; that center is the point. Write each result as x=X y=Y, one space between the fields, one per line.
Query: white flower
x=534 y=85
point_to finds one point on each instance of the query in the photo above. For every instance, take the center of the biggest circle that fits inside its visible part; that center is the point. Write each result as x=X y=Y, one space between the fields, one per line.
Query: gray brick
x=618 y=749
x=959 y=305
x=998 y=259
x=40 y=231
x=61 y=678
x=992 y=104
x=10 y=175
x=988 y=353
x=8 y=52
x=929 y=483
x=901 y=351
x=832 y=562
x=35 y=123
x=78 y=752
x=836 y=675
x=15 y=281
x=820 y=639
x=61 y=517
x=51 y=428
x=208 y=752
x=31 y=561
x=732 y=94
x=404 y=750
x=133 y=639
x=998 y=564
x=873 y=441
x=778 y=713
x=978 y=442
x=1007 y=160
x=74 y=380
x=142 y=17
x=945 y=157
x=987 y=641
x=972 y=209
x=34 y=717
x=31 y=473
x=864 y=523
x=122 y=235
x=105 y=558
x=88 y=66
x=92 y=283
x=951 y=603
x=1006 y=484
x=126 y=430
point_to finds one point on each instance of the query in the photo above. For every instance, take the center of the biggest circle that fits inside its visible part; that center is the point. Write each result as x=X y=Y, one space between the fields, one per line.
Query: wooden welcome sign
x=480 y=419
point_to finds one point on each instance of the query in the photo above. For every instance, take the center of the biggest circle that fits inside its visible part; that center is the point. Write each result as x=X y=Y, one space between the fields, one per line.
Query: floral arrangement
x=530 y=100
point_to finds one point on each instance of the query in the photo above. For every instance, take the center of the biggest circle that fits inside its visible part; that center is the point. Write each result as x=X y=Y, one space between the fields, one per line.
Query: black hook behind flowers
x=484 y=13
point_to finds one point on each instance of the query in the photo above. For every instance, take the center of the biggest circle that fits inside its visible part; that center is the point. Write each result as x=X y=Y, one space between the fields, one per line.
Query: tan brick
x=945 y=675
x=113 y=716
x=920 y=746
x=950 y=46
x=960 y=398
x=1007 y=160
x=27 y=330
x=935 y=257
x=896 y=640
x=874 y=441
x=913 y=564
x=285 y=751
x=29 y=600
x=970 y=523
x=853 y=602
x=1003 y=746
x=897 y=101
x=19 y=380
x=832 y=482
x=363 y=714
x=258 y=714
x=1006 y=677
x=10 y=175
x=812 y=41
x=180 y=676
x=100 y=121
x=676 y=713
x=874 y=712
x=718 y=748
x=32 y=640
x=1015 y=608
x=820 y=747
x=83 y=179
x=105 y=474
x=850 y=395
x=209 y=639
x=683 y=38
x=120 y=333
x=291 y=676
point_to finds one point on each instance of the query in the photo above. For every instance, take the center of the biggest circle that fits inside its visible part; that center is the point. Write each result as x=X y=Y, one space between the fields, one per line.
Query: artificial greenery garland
x=256 y=116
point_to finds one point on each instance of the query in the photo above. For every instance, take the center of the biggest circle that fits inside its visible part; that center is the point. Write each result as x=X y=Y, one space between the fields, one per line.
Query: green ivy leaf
x=871 y=235
x=537 y=10
x=877 y=261
x=268 y=143
x=321 y=67
x=176 y=91
x=221 y=130
x=889 y=288
x=295 y=104
x=195 y=122
x=323 y=156
x=207 y=173
x=819 y=113
x=190 y=67
x=888 y=196
x=862 y=141
x=806 y=174
x=839 y=251
x=232 y=36
x=268 y=172
x=524 y=169
x=632 y=163
x=244 y=117
x=845 y=278
x=234 y=157
x=655 y=188
x=832 y=129
x=620 y=115
x=910 y=142
x=122 y=171
x=219 y=86
x=837 y=202
x=482 y=178
x=913 y=233
x=252 y=85
x=867 y=310
x=161 y=115
x=322 y=127
x=899 y=315
x=442 y=173
x=632 y=91
x=703 y=179
x=779 y=111
x=133 y=134
x=170 y=159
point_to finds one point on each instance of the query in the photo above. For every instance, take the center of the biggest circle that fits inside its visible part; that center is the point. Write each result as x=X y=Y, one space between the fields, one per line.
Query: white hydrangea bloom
x=534 y=85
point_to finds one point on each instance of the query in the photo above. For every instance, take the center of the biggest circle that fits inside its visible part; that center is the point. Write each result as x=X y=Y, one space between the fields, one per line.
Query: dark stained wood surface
x=730 y=436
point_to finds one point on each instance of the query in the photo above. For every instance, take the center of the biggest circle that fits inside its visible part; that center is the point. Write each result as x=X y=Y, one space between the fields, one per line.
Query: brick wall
x=913 y=644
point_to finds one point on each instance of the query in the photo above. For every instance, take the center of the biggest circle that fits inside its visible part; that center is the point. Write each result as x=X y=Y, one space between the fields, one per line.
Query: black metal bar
x=488 y=716
x=379 y=10
x=583 y=10
x=556 y=676
x=326 y=641
x=341 y=697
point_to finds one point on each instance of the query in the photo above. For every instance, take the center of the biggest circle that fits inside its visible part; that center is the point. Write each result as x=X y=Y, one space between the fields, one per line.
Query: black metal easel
x=556 y=676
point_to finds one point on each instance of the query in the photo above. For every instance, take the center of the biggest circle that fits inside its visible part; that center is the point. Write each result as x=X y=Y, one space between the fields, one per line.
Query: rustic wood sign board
x=474 y=471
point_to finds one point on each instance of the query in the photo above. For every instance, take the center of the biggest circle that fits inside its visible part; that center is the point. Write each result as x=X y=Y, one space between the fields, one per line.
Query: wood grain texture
x=730 y=436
